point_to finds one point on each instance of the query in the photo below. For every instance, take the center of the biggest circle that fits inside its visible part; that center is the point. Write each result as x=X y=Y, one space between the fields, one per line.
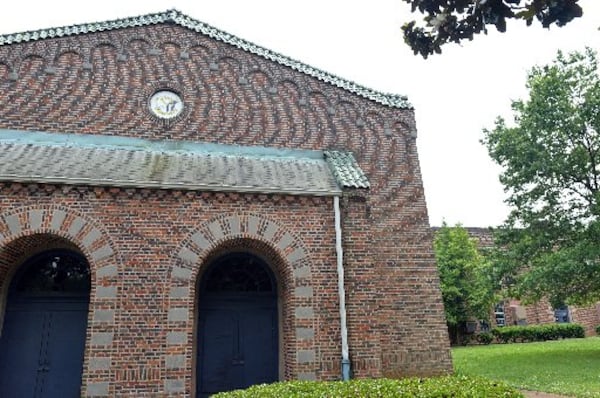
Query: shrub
x=553 y=331
x=447 y=386
x=598 y=330
x=572 y=330
x=507 y=333
x=485 y=338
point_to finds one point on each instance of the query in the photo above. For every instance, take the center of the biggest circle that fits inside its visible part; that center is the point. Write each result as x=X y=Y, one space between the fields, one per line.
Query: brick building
x=183 y=212
x=512 y=312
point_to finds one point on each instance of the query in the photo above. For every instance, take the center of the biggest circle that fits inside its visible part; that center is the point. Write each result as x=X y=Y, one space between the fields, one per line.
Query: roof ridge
x=181 y=19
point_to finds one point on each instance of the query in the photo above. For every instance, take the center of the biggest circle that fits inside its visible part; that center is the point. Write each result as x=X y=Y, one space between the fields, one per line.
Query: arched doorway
x=237 y=324
x=43 y=334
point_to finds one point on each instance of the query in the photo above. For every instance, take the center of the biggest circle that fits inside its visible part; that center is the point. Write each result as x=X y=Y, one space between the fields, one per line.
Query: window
x=561 y=314
x=499 y=314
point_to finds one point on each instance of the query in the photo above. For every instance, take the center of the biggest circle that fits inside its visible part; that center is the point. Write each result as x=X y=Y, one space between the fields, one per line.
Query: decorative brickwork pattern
x=175 y=17
x=263 y=97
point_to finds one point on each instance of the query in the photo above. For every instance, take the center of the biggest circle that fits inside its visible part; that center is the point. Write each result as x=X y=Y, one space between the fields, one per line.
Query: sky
x=456 y=94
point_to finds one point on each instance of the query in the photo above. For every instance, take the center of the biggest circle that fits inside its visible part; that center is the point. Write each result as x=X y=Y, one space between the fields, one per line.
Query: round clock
x=166 y=104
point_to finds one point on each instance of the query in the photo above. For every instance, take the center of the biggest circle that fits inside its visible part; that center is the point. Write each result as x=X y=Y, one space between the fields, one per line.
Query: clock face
x=166 y=104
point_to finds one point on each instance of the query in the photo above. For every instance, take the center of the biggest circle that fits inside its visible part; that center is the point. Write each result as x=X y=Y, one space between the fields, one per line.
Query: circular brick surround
x=291 y=264
x=32 y=226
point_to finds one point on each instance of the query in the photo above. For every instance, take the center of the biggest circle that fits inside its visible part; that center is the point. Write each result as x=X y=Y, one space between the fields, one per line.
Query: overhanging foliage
x=446 y=21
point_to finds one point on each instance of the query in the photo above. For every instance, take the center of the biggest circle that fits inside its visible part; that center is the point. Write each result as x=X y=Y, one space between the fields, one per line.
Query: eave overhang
x=98 y=160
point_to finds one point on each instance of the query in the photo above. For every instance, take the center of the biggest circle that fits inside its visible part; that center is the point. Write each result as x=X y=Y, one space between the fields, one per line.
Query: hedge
x=538 y=332
x=484 y=338
x=436 y=387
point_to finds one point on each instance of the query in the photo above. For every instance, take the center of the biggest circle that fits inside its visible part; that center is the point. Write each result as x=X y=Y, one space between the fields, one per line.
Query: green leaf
x=550 y=155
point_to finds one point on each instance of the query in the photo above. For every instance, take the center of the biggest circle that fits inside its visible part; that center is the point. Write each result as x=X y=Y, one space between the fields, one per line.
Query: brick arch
x=28 y=60
x=69 y=228
x=105 y=42
x=164 y=44
x=97 y=47
x=34 y=54
x=292 y=265
x=61 y=52
x=198 y=50
x=228 y=59
x=264 y=80
x=144 y=43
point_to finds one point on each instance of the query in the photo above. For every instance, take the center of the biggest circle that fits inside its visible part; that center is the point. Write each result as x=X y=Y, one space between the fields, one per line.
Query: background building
x=512 y=312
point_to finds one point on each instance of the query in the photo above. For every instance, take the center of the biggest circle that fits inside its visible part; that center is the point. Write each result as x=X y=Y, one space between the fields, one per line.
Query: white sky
x=455 y=94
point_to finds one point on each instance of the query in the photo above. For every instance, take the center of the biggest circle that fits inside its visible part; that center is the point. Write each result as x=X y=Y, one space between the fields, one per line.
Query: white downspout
x=341 y=291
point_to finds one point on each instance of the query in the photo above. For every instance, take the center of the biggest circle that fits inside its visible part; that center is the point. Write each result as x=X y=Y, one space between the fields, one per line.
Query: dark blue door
x=237 y=328
x=43 y=335
x=19 y=360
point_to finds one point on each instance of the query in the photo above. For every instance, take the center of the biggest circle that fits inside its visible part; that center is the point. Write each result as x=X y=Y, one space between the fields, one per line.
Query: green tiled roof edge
x=346 y=170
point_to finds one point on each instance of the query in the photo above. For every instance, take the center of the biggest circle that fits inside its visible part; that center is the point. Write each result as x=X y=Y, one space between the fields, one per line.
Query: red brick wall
x=589 y=317
x=539 y=313
x=100 y=84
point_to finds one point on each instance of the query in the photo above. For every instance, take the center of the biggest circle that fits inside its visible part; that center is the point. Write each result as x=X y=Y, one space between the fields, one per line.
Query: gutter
x=346 y=366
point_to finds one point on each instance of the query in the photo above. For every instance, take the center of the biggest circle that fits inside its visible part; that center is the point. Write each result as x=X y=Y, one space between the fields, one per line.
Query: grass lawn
x=570 y=367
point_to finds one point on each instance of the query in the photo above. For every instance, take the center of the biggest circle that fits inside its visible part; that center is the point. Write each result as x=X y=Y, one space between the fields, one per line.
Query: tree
x=551 y=171
x=456 y=20
x=466 y=289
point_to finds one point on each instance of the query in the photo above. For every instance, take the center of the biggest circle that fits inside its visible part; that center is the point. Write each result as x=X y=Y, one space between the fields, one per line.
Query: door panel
x=42 y=348
x=259 y=347
x=43 y=334
x=64 y=355
x=20 y=350
x=219 y=345
x=237 y=324
x=238 y=344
